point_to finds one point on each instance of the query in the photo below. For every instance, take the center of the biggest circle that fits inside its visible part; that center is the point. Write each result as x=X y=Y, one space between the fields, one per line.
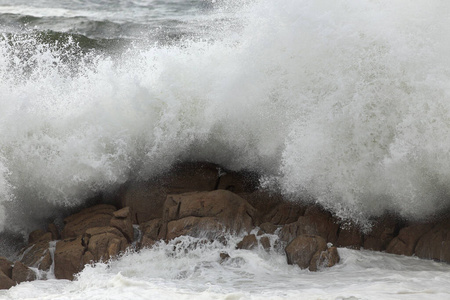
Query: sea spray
x=345 y=101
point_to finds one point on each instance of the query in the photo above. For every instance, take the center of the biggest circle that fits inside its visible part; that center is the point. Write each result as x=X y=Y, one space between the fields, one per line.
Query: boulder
x=301 y=250
x=314 y=222
x=6 y=266
x=268 y=228
x=382 y=233
x=53 y=229
x=349 y=236
x=205 y=227
x=324 y=259
x=406 y=241
x=150 y=231
x=248 y=242
x=5 y=281
x=273 y=208
x=122 y=221
x=35 y=235
x=265 y=242
x=103 y=243
x=69 y=258
x=21 y=273
x=225 y=211
x=237 y=182
x=146 y=199
x=95 y=216
x=38 y=255
x=435 y=243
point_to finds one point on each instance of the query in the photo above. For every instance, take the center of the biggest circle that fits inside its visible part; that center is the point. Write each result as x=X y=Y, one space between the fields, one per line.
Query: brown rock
x=206 y=227
x=233 y=213
x=265 y=242
x=268 y=228
x=248 y=242
x=146 y=199
x=435 y=244
x=104 y=242
x=69 y=258
x=54 y=231
x=314 y=222
x=150 y=232
x=406 y=241
x=350 y=237
x=324 y=259
x=21 y=273
x=382 y=233
x=238 y=182
x=95 y=216
x=6 y=266
x=5 y=282
x=38 y=255
x=303 y=248
x=34 y=236
x=273 y=208
x=122 y=221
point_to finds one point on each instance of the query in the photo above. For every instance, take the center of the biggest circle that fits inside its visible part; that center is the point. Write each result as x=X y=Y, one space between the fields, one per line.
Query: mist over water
x=346 y=101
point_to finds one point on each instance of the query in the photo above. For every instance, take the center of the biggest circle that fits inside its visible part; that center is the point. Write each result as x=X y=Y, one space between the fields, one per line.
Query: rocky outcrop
x=314 y=222
x=95 y=216
x=435 y=243
x=310 y=251
x=204 y=200
x=406 y=241
x=21 y=273
x=211 y=213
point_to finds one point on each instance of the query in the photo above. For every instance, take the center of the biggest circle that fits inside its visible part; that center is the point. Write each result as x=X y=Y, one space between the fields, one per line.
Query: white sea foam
x=347 y=101
x=178 y=270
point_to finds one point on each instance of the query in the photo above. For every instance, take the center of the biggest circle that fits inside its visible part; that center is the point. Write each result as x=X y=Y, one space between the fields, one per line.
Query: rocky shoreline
x=202 y=200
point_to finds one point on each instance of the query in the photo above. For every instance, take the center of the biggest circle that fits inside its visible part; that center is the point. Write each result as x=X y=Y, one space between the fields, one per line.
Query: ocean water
x=344 y=101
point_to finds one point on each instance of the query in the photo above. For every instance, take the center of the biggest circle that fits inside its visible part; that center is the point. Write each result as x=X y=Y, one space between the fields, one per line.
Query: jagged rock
x=6 y=266
x=350 y=237
x=435 y=244
x=104 y=243
x=38 y=255
x=224 y=256
x=95 y=216
x=314 y=222
x=237 y=182
x=324 y=259
x=303 y=248
x=265 y=242
x=224 y=210
x=268 y=228
x=146 y=199
x=21 y=273
x=285 y=213
x=69 y=258
x=382 y=233
x=206 y=227
x=54 y=231
x=5 y=281
x=150 y=232
x=122 y=221
x=406 y=241
x=248 y=242
x=35 y=236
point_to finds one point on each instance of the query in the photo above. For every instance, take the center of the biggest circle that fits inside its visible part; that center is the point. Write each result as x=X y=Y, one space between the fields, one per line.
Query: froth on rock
x=311 y=252
x=203 y=200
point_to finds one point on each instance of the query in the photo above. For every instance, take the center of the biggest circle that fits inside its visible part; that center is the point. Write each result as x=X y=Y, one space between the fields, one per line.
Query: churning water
x=346 y=101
